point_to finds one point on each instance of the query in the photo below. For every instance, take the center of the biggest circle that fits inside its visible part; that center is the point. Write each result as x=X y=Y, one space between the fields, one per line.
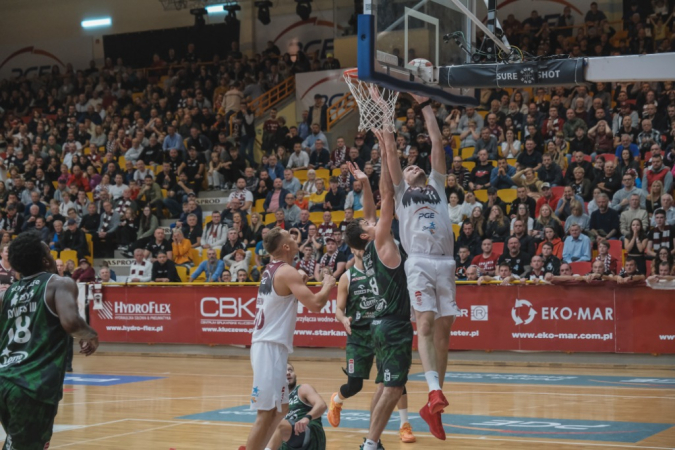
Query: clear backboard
x=393 y=32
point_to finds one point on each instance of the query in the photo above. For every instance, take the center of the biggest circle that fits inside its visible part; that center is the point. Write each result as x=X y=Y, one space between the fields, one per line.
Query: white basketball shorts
x=431 y=284
x=270 y=388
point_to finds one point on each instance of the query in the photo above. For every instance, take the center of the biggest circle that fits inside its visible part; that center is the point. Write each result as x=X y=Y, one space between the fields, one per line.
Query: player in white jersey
x=281 y=287
x=427 y=236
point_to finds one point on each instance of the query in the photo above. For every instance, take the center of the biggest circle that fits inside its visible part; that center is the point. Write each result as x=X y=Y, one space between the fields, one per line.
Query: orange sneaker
x=406 y=434
x=434 y=421
x=437 y=401
x=242 y=447
x=334 y=410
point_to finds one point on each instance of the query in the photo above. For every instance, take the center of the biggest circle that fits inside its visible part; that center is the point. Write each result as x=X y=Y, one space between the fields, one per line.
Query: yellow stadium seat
x=300 y=175
x=483 y=113
x=511 y=162
x=481 y=195
x=359 y=214
x=122 y=162
x=323 y=173
x=455 y=141
x=90 y=245
x=208 y=220
x=467 y=152
x=87 y=151
x=90 y=196
x=271 y=218
x=469 y=165
x=259 y=206
x=68 y=255
x=182 y=274
x=507 y=195
x=456 y=228
x=316 y=217
x=338 y=216
x=56 y=184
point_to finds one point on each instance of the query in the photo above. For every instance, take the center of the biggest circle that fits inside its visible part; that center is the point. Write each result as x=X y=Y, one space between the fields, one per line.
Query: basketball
x=424 y=69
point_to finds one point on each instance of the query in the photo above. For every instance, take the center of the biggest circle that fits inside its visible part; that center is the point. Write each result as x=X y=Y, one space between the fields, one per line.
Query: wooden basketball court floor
x=149 y=413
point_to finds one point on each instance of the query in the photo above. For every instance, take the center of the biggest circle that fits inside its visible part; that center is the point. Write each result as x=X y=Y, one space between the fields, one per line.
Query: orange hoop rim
x=351 y=73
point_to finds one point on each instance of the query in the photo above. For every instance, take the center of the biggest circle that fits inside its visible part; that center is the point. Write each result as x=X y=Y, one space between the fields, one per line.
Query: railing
x=270 y=98
x=340 y=108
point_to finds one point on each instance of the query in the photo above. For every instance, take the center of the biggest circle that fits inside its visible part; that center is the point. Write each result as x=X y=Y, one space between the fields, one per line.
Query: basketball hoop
x=376 y=104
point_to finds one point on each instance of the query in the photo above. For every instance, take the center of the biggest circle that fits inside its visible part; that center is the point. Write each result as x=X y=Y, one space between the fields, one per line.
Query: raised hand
x=356 y=172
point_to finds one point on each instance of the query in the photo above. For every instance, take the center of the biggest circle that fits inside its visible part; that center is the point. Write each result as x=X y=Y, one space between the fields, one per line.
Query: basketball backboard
x=394 y=32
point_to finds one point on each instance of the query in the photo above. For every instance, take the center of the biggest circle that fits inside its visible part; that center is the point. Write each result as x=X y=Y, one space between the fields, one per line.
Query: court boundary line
x=392 y=433
x=86 y=441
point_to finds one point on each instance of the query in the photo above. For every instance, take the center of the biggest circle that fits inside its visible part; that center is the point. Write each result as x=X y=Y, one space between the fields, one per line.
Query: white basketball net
x=376 y=104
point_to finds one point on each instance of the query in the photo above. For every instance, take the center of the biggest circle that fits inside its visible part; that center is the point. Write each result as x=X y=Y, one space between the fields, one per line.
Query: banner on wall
x=327 y=83
x=37 y=58
x=541 y=318
x=290 y=33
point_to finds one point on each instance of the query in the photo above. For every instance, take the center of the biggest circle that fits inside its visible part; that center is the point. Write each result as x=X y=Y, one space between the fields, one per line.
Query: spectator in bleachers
x=274 y=168
x=529 y=158
x=610 y=262
x=493 y=200
x=523 y=199
x=609 y=182
x=141 y=269
x=501 y=176
x=84 y=272
x=192 y=230
x=159 y=243
x=233 y=243
x=335 y=197
x=290 y=209
x=318 y=114
x=581 y=186
x=318 y=197
x=310 y=140
x=564 y=206
x=667 y=206
x=355 y=157
x=453 y=187
x=621 y=198
x=303 y=224
x=164 y=270
x=520 y=230
x=578 y=217
x=244 y=196
x=73 y=238
x=577 y=246
x=332 y=262
x=280 y=221
x=550 y=259
x=488 y=142
x=487 y=260
x=470 y=239
x=237 y=260
x=657 y=172
x=275 y=198
x=233 y=166
x=181 y=249
x=546 y=218
x=536 y=272
x=565 y=276
x=470 y=135
x=633 y=212
x=327 y=227
x=104 y=239
x=479 y=177
x=354 y=198
x=319 y=157
x=550 y=172
x=461 y=173
x=506 y=276
x=290 y=183
x=578 y=161
x=604 y=223
x=463 y=261
x=598 y=273
x=510 y=147
x=455 y=209
x=343 y=248
x=631 y=273
x=299 y=160
x=469 y=204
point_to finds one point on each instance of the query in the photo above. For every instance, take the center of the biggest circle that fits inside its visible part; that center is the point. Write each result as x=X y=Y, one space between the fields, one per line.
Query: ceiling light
x=264 y=11
x=304 y=9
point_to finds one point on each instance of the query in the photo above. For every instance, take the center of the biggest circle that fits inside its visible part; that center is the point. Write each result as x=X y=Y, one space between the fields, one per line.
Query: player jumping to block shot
x=281 y=287
x=390 y=328
x=427 y=237
x=356 y=310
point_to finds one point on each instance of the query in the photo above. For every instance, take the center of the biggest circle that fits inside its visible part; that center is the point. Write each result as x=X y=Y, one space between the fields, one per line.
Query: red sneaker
x=437 y=401
x=243 y=447
x=434 y=421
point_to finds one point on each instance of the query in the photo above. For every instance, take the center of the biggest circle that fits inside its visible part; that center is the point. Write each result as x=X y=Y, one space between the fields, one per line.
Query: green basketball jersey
x=32 y=341
x=361 y=301
x=297 y=409
x=391 y=284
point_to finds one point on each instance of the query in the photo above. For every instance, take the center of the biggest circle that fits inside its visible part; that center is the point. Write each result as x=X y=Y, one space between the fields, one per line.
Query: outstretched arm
x=437 y=152
x=392 y=162
x=367 y=200
x=384 y=240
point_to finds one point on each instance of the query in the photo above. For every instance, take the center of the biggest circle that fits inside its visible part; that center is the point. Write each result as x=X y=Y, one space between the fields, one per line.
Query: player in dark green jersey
x=391 y=329
x=301 y=429
x=355 y=310
x=38 y=313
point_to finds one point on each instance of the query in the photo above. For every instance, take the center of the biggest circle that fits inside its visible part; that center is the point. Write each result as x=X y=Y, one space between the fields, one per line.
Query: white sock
x=432 y=380
x=403 y=413
x=337 y=399
x=370 y=445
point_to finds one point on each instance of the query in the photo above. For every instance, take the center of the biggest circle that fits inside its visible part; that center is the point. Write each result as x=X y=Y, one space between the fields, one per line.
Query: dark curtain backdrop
x=136 y=49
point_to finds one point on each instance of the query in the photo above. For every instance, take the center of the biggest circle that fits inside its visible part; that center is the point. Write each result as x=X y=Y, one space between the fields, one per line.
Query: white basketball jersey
x=275 y=314
x=424 y=222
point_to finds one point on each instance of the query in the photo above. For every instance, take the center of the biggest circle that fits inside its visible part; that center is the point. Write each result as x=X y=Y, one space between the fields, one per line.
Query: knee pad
x=353 y=387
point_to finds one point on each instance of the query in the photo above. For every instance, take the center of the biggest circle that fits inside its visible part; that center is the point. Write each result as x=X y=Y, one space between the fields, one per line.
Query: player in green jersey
x=356 y=310
x=391 y=329
x=301 y=429
x=38 y=313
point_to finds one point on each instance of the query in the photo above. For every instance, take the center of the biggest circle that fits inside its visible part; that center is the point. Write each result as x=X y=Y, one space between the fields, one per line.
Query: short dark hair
x=26 y=253
x=660 y=211
x=353 y=234
x=272 y=241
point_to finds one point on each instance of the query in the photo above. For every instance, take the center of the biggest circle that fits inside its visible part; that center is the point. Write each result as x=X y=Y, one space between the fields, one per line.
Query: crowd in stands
x=540 y=181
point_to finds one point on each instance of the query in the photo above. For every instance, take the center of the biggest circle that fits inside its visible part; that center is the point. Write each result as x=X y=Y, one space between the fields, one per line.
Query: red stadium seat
x=581 y=268
x=498 y=248
x=649 y=267
x=609 y=156
x=558 y=191
x=616 y=250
